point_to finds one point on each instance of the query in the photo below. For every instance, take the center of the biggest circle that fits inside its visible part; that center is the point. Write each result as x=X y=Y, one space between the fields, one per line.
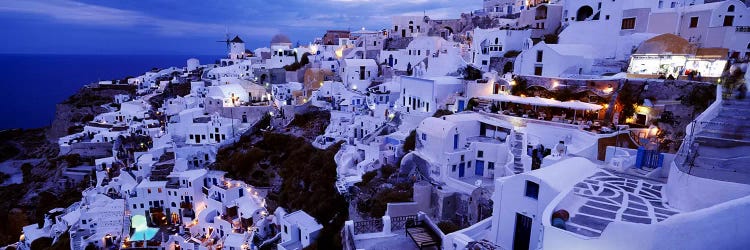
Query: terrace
x=608 y=197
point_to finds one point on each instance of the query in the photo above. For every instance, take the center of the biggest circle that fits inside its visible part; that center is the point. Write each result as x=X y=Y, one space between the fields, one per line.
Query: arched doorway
x=584 y=12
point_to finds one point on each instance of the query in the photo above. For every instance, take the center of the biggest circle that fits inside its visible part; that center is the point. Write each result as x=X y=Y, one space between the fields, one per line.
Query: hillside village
x=536 y=124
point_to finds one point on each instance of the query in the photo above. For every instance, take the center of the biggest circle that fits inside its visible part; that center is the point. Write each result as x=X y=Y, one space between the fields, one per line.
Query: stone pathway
x=611 y=197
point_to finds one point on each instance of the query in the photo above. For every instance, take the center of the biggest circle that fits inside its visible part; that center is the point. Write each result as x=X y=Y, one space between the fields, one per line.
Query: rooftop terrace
x=606 y=197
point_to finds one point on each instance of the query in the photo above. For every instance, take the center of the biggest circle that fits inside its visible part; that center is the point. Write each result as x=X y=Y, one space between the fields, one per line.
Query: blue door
x=461 y=168
x=461 y=105
x=479 y=170
x=455 y=141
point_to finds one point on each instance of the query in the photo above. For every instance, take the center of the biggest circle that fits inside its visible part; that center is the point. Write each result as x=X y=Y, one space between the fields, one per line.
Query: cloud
x=93 y=15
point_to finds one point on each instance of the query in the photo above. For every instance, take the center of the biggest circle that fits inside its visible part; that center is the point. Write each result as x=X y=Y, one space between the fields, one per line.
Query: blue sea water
x=33 y=83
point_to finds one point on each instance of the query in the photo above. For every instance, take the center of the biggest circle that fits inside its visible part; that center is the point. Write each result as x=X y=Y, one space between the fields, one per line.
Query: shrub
x=410 y=143
x=367 y=177
x=442 y=112
x=447 y=227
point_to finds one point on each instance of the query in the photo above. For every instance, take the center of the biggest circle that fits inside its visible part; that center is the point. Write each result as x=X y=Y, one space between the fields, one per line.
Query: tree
x=410 y=142
x=520 y=87
x=442 y=112
x=41 y=243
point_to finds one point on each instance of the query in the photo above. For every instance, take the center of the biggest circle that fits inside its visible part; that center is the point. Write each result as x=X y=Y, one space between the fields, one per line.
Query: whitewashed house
x=554 y=60
x=298 y=229
x=358 y=73
x=427 y=95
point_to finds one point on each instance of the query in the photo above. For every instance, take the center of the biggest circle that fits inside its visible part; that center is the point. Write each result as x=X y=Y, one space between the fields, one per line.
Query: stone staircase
x=517 y=149
x=484 y=104
x=719 y=150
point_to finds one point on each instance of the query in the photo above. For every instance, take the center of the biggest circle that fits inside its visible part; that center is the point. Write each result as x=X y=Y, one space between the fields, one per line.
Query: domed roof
x=280 y=38
x=666 y=44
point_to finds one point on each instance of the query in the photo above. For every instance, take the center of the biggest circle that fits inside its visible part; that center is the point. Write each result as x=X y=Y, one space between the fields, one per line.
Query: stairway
x=719 y=149
x=484 y=105
x=517 y=150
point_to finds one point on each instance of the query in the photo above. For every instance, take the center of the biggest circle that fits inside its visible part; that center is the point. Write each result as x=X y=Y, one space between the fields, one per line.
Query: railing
x=742 y=29
x=368 y=226
x=399 y=222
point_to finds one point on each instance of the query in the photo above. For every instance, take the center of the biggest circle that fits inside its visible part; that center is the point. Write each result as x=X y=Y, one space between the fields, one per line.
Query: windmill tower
x=235 y=47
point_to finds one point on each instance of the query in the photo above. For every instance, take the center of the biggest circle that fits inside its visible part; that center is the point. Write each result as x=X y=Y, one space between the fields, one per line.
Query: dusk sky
x=192 y=26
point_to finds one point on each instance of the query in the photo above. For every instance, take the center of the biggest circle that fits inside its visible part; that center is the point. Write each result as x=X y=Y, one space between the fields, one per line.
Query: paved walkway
x=608 y=197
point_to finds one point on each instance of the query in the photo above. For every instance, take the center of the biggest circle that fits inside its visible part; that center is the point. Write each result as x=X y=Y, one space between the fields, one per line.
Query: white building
x=427 y=95
x=298 y=229
x=554 y=60
x=358 y=73
x=409 y=26
x=489 y=43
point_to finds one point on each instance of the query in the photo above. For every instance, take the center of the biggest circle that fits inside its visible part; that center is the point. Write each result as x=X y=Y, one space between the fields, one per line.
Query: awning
x=545 y=102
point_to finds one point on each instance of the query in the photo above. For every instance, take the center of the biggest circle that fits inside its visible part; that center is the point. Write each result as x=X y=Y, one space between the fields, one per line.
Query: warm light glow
x=339 y=52
x=513 y=83
x=270 y=113
x=522 y=95
x=354 y=87
x=392 y=115
x=608 y=90
x=606 y=105
x=555 y=84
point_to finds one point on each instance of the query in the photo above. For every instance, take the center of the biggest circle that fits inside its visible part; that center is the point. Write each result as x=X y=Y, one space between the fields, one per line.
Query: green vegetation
x=447 y=227
x=442 y=112
x=520 y=88
x=410 y=143
x=377 y=189
x=298 y=65
x=308 y=177
x=473 y=103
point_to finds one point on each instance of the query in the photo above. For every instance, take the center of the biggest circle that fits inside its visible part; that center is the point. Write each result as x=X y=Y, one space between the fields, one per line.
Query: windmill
x=226 y=41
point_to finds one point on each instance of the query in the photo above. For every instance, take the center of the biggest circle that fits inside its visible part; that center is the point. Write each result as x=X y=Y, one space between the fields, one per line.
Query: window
x=661 y=4
x=462 y=158
x=424 y=136
x=491 y=165
x=480 y=154
x=694 y=22
x=673 y=4
x=538 y=70
x=539 y=55
x=532 y=189
x=191 y=137
x=731 y=8
x=454 y=168
x=728 y=21
x=149 y=190
x=628 y=23
x=484 y=62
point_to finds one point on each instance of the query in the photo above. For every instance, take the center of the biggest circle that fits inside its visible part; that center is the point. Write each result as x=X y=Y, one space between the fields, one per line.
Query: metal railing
x=368 y=226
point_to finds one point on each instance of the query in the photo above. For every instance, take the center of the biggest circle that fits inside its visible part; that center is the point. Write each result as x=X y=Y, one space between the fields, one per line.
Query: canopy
x=539 y=101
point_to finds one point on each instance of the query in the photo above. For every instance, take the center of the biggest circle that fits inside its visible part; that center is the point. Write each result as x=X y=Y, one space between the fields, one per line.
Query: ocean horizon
x=35 y=83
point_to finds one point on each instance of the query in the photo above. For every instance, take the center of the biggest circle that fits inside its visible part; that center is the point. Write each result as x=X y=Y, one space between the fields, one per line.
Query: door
x=522 y=233
x=455 y=141
x=461 y=105
x=197 y=139
x=479 y=168
x=403 y=33
x=461 y=169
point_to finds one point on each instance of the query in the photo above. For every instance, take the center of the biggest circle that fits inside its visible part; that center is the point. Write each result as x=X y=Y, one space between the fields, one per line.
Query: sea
x=31 y=84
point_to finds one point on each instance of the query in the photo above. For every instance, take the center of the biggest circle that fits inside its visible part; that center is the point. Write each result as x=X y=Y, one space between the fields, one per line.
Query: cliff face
x=82 y=107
